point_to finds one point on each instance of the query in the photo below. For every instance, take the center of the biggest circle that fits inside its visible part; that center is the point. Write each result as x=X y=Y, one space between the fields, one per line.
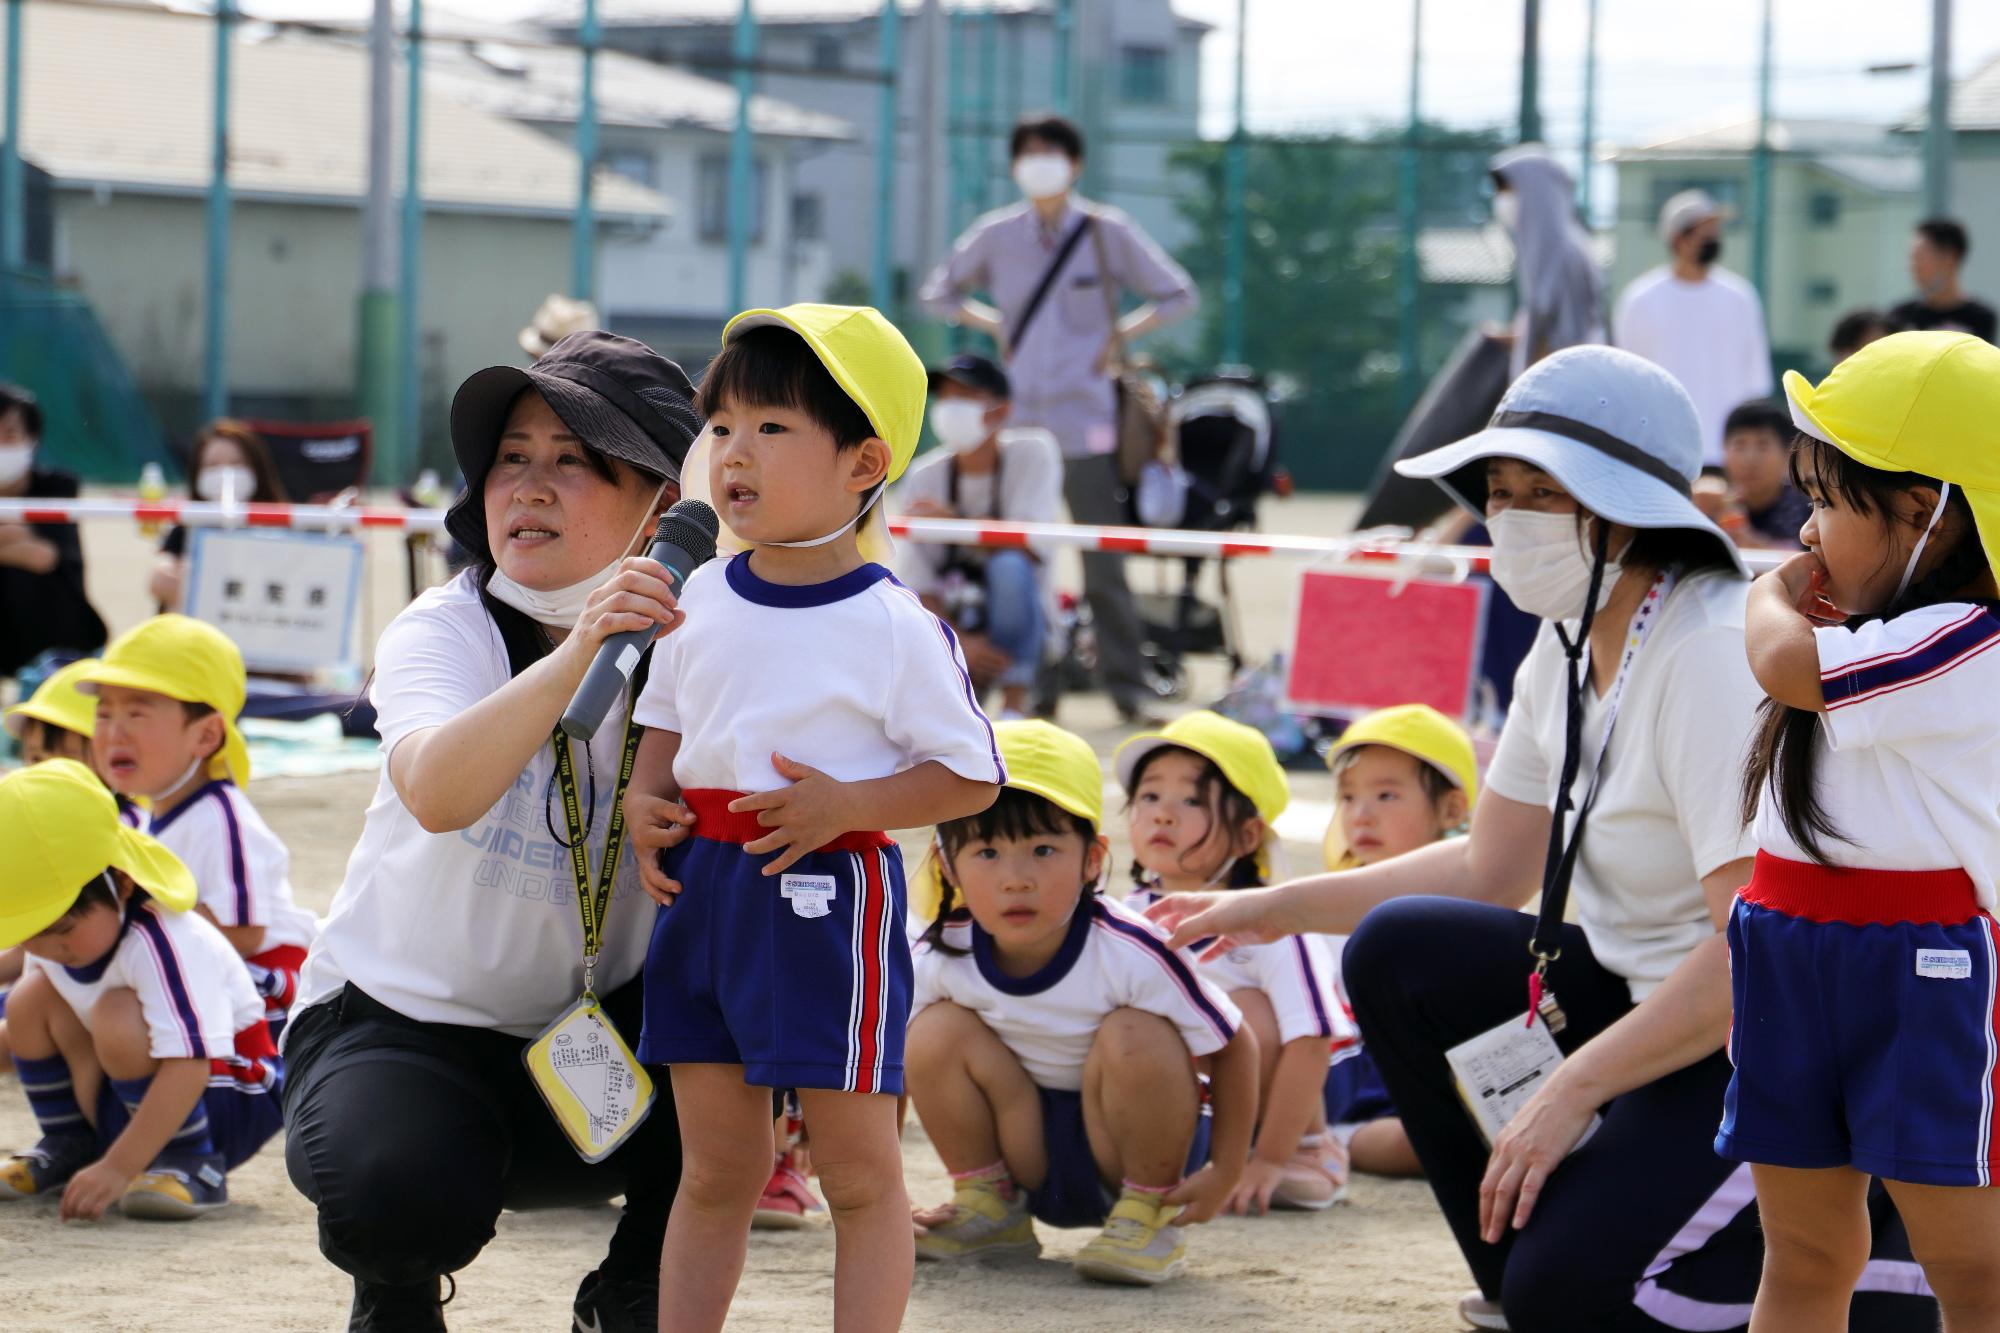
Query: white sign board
x=287 y=599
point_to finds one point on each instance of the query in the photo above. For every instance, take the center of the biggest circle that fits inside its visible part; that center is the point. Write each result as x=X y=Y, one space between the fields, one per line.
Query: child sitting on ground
x=1406 y=777
x=1202 y=795
x=140 y=1042
x=168 y=692
x=1052 y=1053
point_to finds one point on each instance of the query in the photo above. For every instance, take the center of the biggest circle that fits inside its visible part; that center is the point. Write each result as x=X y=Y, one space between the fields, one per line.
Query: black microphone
x=684 y=541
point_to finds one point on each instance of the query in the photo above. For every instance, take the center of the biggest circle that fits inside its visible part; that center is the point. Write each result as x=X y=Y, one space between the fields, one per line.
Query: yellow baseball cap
x=1247 y=761
x=61 y=829
x=1421 y=732
x=1042 y=759
x=58 y=702
x=1915 y=402
x=186 y=659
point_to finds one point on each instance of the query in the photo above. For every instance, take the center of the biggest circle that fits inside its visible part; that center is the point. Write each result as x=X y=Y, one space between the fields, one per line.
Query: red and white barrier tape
x=1360 y=547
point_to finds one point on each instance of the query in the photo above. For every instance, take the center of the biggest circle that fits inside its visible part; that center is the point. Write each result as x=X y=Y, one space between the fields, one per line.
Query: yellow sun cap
x=1421 y=732
x=186 y=659
x=1915 y=402
x=58 y=702
x=61 y=829
x=1247 y=761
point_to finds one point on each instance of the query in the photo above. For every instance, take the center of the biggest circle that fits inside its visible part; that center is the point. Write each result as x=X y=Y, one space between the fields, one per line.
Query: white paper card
x=1498 y=1070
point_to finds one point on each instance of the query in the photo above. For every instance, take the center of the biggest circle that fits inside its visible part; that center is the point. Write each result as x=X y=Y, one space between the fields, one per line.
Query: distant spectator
x=1754 y=500
x=42 y=599
x=556 y=318
x=1937 y=252
x=1561 y=292
x=1856 y=329
x=1700 y=323
x=228 y=460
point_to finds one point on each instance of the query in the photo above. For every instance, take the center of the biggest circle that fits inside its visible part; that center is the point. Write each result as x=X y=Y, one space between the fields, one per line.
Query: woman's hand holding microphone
x=638 y=596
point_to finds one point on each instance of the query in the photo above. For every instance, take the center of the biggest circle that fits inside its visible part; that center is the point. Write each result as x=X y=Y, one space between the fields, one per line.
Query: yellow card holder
x=593 y=1084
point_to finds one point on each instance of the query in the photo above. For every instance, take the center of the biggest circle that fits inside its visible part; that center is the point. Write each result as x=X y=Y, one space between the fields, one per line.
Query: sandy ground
x=1380 y=1261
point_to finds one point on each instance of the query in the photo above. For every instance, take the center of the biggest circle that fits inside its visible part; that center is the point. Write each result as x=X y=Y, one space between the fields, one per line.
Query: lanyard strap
x=593 y=903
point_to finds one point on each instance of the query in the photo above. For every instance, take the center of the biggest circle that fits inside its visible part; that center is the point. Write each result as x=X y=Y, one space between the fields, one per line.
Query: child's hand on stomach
x=803 y=817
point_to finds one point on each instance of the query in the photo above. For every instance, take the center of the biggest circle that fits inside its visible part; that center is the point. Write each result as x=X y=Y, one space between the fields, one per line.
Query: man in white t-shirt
x=1700 y=323
x=997 y=600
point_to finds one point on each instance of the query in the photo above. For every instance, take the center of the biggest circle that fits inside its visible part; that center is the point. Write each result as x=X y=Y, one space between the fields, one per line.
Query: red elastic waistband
x=1859 y=897
x=714 y=820
x=291 y=956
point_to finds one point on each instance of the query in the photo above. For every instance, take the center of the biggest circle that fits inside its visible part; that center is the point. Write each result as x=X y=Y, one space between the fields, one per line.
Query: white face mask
x=960 y=424
x=561 y=606
x=198 y=766
x=229 y=479
x=821 y=541
x=1539 y=561
x=15 y=460
x=1507 y=210
x=1043 y=175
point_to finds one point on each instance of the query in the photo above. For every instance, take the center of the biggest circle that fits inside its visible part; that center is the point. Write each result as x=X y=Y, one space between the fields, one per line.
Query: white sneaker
x=1478 y=1312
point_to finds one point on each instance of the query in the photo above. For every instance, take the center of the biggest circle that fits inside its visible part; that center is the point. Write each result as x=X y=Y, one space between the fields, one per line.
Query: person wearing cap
x=456 y=936
x=555 y=319
x=1055 y=268
x=1699 y=321
x=811 y=704
x=997 y=600
x=1203 y=795
x=1937 y=253
x=133 y=1004
x=1054 y=1038
x=43 y=603
x=1585 y=476
x=1560 y=291
x=1862 y=951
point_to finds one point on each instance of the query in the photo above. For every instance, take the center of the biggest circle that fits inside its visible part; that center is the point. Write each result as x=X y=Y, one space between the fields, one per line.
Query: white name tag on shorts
x=811 y=895
x=1501 y=1068
x=1947 y=964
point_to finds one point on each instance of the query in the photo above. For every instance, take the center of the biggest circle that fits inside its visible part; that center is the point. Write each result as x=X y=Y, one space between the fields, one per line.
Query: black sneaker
x=413 y=1309
x=47 y=1166
x=617 y=1305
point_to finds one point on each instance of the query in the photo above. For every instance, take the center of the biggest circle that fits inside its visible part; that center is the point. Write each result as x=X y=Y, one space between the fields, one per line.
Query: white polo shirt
x=1112 y=958
x=240 y=866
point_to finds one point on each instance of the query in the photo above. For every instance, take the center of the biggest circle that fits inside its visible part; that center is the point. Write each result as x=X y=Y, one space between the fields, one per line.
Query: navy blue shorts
x=1864 y=1032
x=244 y=1112
x=1354 y=1092
x=1073 y=1194
x=804 y=978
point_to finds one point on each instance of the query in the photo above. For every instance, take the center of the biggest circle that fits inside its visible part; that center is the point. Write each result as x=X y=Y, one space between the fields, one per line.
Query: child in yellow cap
x=1052 y=1053
x=1404 y=778
x=139 y=1040
x=168 y=691
x=1203 y=795
x=1864 y=958
x=808 y=703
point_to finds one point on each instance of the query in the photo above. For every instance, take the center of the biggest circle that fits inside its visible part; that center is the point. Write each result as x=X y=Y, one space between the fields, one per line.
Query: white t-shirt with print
x=1909 y=765
x=477 y=926
x=240 y=866
x=1112 y=958
x=1667 y=813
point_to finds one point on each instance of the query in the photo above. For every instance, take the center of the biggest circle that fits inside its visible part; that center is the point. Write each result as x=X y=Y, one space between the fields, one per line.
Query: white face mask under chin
x=1916 y=553
x=875 y=496
x=560 y=607
x=163 y=793
x=1540 y=562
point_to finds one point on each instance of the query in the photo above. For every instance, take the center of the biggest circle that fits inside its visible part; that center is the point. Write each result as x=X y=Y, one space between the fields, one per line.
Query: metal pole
x=1065 y=36
x=742 y=161
x=583 y=233
x=1589 y=155
x=929 y=139
x=215 y=333
x=1235 y=187
x=377 y=371
x=409 y=301
x=1760 y=170
x=887 y=146
x=13 y=188
x=1531 y=71
x=1408 y=274
x=989 y=91
x=1937 y=127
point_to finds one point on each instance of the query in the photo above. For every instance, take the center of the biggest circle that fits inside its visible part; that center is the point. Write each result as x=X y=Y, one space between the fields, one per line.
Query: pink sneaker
x=1316 y=1176
x=786 y=1203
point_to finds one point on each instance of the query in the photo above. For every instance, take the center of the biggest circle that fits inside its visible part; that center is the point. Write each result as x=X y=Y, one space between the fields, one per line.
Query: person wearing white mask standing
x=1054 y=267
x=458 y=934
x=997 y=600
x=1635 y=707
x=43 y=605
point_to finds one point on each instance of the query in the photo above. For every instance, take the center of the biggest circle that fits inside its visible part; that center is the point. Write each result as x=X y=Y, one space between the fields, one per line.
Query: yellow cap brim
x=16 y=719
x=152 y=867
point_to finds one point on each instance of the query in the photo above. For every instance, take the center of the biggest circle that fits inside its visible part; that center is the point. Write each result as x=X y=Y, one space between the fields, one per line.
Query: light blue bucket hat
x=1619 y=433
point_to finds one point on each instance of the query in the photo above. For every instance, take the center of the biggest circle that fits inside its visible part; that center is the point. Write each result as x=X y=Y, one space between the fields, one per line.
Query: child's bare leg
x=976 y=1102
x=1951 y=1234
x=1382 y=1148
x=726 y=1153
x=861 y=1173
x=1140 y=1100
x=1816 y=1242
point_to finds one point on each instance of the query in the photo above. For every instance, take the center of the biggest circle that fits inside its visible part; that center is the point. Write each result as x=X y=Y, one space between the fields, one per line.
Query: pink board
x=1364 y=642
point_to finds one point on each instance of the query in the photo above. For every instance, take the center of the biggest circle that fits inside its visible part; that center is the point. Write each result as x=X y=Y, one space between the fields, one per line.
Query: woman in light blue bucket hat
x=1601 y=1205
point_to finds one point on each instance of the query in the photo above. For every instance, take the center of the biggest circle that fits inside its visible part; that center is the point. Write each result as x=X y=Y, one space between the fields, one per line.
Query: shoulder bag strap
x=1056 y=262
x=1110 y=290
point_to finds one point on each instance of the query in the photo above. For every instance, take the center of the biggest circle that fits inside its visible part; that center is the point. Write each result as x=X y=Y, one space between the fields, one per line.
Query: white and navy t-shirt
x=1910 y=771
x=240 y=866
x=193 y=990
x=851 y=677
x=1296 y=975
x=1112 y=958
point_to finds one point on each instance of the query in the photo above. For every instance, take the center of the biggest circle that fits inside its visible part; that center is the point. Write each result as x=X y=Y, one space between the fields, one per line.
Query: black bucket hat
x=619 y=396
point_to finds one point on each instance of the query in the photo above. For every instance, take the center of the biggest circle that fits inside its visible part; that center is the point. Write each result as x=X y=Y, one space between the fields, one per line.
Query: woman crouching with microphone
x=460 y=934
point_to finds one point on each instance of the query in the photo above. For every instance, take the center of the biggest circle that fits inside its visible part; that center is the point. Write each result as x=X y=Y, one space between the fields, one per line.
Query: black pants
x=411 y=1137
x=1643 y=1227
